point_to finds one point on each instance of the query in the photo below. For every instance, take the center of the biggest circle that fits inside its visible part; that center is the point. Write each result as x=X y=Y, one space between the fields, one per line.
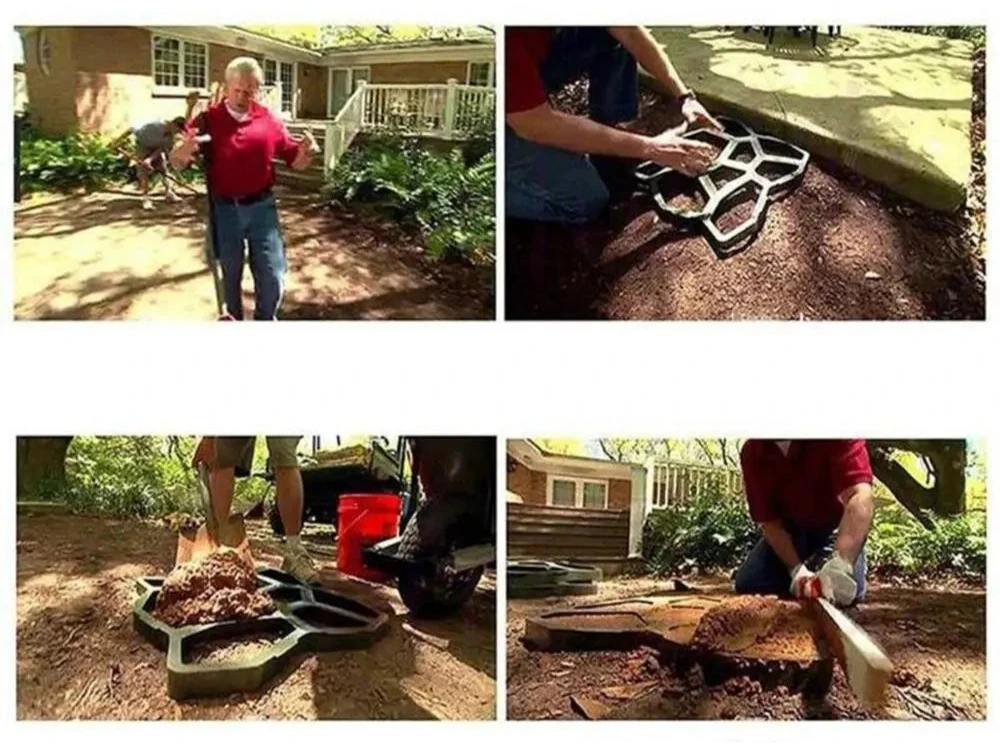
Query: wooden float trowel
x=865 y=664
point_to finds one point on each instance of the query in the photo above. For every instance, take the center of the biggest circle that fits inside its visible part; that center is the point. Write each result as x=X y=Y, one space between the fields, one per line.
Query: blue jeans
x=551 y=185
x=764 y=573
x=258 y=224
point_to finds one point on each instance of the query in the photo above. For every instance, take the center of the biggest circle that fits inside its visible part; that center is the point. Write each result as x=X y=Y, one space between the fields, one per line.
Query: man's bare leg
x=143 y=176
x=288 y=483
x=222 y=484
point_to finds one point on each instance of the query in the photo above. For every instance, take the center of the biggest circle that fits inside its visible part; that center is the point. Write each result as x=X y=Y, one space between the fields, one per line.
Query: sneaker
x=147 y=204
x=172 y=197
x=300 y=565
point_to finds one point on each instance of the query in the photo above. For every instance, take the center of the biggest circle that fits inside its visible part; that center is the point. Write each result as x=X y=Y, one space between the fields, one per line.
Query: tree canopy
x=322 y=37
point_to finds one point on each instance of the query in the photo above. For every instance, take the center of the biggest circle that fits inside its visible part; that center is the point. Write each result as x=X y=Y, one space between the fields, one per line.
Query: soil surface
x=836 y=247
x=935 y=637
x=221 y=586
x=100 y=256
x=79 y=658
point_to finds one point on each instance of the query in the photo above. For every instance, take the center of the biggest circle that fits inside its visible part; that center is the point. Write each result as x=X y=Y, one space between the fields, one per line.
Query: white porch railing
x=449 y=111
x=671 y=483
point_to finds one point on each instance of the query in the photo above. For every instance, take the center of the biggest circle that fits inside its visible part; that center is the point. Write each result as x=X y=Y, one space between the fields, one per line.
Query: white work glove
x=804 y=584
x=837 y=580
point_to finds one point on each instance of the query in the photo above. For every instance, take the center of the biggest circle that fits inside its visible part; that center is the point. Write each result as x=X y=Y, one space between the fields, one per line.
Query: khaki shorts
x=237 y=452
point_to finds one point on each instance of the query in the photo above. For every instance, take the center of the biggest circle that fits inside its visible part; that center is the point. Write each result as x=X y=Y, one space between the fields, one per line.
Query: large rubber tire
x=441 y=591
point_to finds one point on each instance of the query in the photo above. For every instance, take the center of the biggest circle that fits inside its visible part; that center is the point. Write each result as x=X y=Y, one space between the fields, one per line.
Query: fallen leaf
x=872 y=275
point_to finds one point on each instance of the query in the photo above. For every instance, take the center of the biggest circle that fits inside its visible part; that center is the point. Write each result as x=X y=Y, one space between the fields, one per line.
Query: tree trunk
x=40 y=460
x=947 y=459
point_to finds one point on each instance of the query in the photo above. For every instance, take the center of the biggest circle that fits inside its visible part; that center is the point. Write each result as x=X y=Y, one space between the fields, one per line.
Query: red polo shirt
x=526 y=49
x=241 y=153
x=801 y=488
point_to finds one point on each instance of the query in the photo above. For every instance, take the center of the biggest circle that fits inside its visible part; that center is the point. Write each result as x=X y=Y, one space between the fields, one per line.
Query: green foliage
x=448 y=200
x=130 y=476
x=712 y=531
x=139 y=477
x=68 y=162
x=898 y=544
x=78 y=160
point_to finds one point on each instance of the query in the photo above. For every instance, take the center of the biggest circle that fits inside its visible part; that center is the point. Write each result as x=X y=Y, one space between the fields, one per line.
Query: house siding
x=532 y=487
x=528 y=484
x=620 y=495
x=419 y=72
x=51 y=96
x=102 y=80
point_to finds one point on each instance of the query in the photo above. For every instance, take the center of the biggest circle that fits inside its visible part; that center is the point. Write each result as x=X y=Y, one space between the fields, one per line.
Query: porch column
x=637 y=511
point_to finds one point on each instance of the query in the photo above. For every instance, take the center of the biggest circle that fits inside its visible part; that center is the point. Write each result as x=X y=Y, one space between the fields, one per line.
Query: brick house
x=105 y=78
x=571 y=507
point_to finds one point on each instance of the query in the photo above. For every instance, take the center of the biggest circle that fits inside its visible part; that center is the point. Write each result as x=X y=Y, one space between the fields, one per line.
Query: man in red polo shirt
x=807 y=496
x=245 y=138
x=553 y=159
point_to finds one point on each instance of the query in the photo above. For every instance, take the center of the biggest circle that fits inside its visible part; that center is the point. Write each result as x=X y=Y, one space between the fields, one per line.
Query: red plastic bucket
x=362 y=521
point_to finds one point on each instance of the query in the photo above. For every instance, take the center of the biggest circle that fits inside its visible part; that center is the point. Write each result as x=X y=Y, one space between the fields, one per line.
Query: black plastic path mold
x=535 y=578
x=307 y=619
x=750 y=167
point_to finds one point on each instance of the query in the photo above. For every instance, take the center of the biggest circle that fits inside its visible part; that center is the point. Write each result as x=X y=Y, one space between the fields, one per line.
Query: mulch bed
x=837 y=247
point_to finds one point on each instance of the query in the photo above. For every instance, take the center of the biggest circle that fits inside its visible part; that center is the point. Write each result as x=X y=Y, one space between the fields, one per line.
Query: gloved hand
x=837 y=580
x=805 y=584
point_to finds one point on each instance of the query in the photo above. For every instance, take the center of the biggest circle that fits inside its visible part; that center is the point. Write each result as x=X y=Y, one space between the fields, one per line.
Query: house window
x=179 y=64
x=44 y=52
x=563 y=493
x=578 y=493
x=480 y=74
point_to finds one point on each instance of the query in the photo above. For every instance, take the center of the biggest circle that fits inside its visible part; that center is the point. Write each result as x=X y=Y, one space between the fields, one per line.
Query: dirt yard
x=837 y=248
x=79 y=658
x=100 y=256
x=936 y=639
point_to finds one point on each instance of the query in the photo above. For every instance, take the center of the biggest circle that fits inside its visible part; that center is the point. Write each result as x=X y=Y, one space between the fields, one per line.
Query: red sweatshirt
x=240 y=154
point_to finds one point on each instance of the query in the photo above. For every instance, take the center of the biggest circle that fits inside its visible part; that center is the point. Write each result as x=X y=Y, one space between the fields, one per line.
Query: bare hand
x=697 y=117
x=307 y=148
x=183 y=153
x=690 y=157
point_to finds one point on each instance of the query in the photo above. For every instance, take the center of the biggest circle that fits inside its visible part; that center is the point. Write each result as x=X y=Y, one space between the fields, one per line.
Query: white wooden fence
x=670 y=483
x=450 y=112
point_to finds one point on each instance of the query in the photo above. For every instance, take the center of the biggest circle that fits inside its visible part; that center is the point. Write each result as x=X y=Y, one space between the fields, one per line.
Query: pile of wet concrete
x=220 y=587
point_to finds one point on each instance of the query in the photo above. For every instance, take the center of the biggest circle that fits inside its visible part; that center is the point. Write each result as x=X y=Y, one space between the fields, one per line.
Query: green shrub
x=78 y=160
x=437 y=193
x=713 y=531
x=899 y=544
x=139 y=477
x=68 y=162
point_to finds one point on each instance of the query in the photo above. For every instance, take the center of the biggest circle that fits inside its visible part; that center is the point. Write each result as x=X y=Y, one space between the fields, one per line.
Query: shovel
x=193 y=545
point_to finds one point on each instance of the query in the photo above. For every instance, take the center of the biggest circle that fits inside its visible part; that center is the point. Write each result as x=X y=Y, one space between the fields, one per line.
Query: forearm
x=650 y=56
x=546 y=126
x=781 y=543
x=859 y=511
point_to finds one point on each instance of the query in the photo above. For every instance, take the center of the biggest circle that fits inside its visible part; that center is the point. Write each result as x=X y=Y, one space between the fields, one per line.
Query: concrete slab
x=776 y=647
x=893 y=106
